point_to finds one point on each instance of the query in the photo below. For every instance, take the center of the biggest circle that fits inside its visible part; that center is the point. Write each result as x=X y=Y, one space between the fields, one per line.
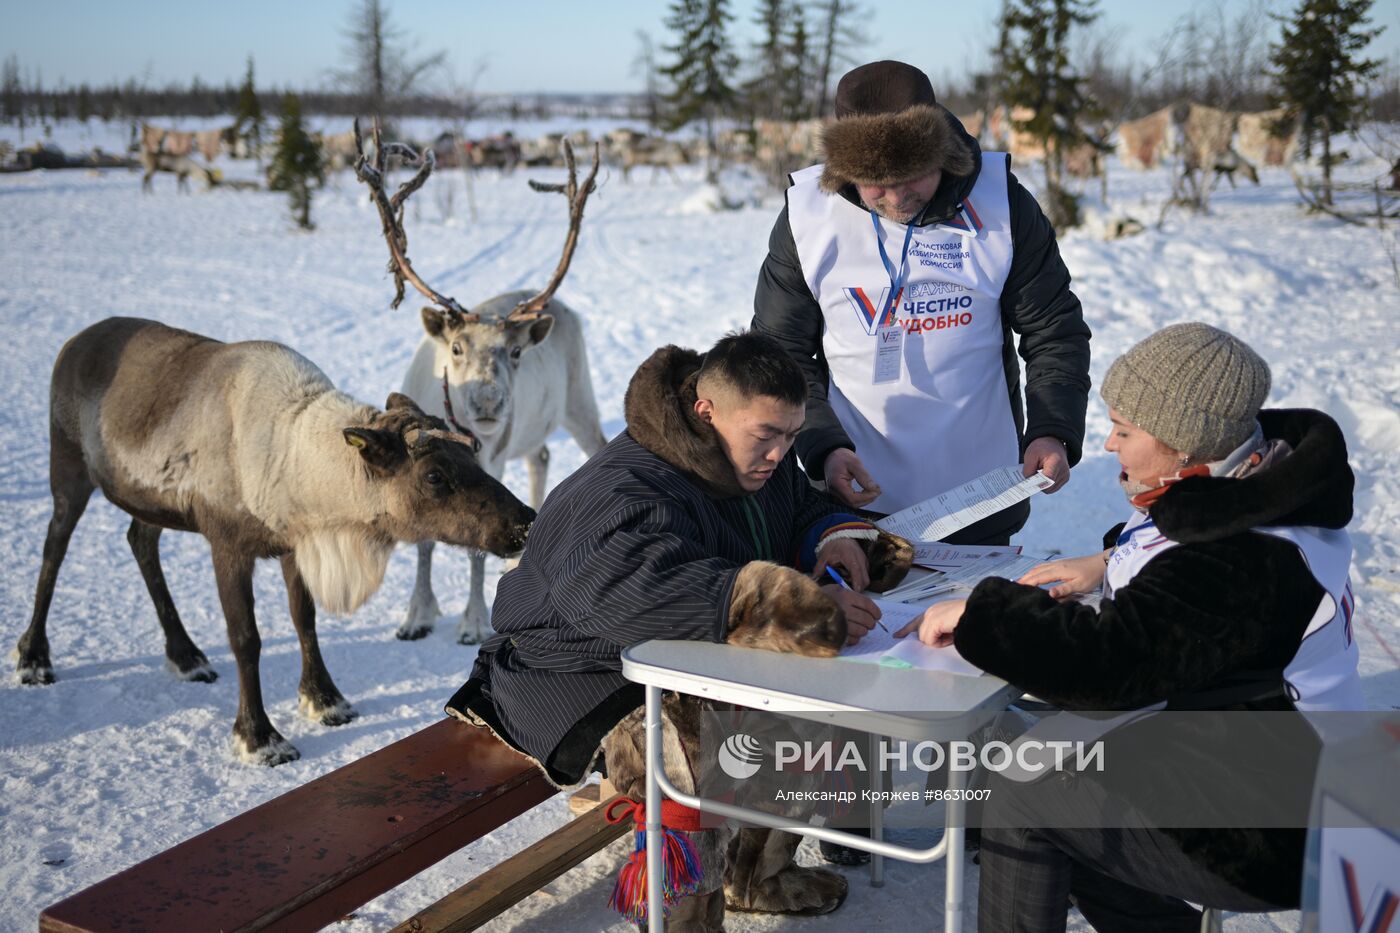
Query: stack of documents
x=1004 y=563
x=955 y=568
x=935 y=555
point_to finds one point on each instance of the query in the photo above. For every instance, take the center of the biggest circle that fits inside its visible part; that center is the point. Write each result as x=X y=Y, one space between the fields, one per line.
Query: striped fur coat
x=643 y=541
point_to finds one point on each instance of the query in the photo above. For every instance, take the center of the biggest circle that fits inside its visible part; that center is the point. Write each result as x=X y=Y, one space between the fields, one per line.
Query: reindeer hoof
x=275 y=751
x=474 y=627
x=794 y=890
x=336 y=713
x=406 y=632
x=422 y=618
x=197 y=671
x=34 y=675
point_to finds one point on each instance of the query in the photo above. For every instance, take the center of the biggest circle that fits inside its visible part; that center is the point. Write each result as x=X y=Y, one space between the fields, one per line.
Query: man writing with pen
x=694 y=523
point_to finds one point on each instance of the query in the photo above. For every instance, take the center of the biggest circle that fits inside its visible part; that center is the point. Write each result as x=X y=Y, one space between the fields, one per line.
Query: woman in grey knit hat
x=1234 y=553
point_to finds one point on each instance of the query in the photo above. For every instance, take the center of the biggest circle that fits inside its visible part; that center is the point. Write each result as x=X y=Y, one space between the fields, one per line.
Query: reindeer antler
x=577 y=196
x=391 y=214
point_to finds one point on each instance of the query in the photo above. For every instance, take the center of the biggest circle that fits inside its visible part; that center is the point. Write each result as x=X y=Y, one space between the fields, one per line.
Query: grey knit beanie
x=1193 y=387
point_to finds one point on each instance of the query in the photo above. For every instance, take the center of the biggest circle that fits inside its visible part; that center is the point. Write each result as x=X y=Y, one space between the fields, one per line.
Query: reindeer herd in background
x=1204 y=140
x=250 y=445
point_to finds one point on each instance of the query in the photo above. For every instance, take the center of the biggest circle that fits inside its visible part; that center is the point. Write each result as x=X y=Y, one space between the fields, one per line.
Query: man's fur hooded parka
x=644 y=541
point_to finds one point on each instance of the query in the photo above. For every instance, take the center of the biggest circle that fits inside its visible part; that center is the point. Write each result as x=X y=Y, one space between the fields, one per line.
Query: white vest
x=1322 y=675
x=947 y=417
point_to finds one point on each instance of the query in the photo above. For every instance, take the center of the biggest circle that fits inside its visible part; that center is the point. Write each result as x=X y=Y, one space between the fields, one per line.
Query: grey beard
x=890 y=214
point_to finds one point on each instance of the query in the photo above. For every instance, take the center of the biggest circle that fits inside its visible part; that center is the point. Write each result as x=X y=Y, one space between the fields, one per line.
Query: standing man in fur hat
x=896 y=276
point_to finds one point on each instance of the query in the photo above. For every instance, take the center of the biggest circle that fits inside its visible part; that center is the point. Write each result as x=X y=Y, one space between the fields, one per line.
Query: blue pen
x=846 y=586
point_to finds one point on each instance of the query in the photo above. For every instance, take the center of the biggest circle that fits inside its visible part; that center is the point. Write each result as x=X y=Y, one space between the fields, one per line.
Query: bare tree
x=764 y=90
x=797 y=81
x=644 y=63
x=465 y=105
x=12 y=94
x=1098 y=57
x=1211 y=58
x=841 y=37
x=383 y=67
x=1237 y=54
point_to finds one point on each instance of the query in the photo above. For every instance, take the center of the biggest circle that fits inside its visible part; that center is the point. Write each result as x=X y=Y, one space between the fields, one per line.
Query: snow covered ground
x=117 y=760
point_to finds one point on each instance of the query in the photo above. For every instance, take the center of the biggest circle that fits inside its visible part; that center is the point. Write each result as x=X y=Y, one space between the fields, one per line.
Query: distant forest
x=698 y=72
x=132 y=100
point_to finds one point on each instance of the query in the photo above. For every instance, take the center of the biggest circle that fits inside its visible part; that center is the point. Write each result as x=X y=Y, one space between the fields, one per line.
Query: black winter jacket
x=1036 y=304
x=643 y=541
x=1226 y=603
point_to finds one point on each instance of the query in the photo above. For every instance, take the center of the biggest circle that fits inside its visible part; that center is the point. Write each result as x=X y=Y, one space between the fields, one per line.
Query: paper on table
x=883 y=648
x=910 y=652
x=959 y=507
x=893 y=616
x=935 y=555
x=1007 y=565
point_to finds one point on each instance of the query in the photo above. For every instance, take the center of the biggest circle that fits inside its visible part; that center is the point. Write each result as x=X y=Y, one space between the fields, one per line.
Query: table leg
x=656 y=916
x=877 y=812
x=955 y=811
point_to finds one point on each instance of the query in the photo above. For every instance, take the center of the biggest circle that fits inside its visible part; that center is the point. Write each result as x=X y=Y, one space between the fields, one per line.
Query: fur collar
x=886 y=148
x=1311 y=486
x=660 y=412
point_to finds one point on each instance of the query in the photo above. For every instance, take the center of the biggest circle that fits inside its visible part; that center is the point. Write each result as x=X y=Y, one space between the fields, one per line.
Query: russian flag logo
x=965 y=221
x=869 y=302
x=1375 y=917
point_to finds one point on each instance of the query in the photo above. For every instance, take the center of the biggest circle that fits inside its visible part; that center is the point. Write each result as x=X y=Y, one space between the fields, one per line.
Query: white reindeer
x=250 y=445
x=507 y=373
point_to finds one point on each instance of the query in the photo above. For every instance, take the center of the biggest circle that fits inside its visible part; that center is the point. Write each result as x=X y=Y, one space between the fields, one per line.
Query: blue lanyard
x=1126 y=534
x=897 y=277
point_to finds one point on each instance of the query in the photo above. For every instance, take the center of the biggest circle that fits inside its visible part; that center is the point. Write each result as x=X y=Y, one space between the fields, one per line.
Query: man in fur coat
x=688 y=525
x=896 y=276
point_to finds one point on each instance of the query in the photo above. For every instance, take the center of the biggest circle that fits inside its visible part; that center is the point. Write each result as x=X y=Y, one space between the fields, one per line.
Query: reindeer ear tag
x=380 y=449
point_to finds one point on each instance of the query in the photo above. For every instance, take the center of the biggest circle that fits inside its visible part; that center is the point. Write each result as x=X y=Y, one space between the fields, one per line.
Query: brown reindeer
x=250 y=445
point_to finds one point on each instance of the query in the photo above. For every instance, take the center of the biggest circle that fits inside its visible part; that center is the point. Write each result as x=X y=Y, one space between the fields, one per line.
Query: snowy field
x=118 y=760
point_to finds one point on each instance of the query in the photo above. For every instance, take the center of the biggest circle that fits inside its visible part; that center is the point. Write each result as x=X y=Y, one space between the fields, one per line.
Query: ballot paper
x=1007 y=565
x=935 y=555
x=959 y=507
x=893 y=617
x=881 y=647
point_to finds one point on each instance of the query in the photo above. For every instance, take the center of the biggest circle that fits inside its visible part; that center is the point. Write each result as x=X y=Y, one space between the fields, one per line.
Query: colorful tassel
x=680 y=865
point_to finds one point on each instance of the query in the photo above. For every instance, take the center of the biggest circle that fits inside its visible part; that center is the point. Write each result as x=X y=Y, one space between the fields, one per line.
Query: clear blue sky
x=535 y=45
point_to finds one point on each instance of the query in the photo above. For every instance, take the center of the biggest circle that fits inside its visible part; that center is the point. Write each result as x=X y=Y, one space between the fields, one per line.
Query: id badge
x=889 y=353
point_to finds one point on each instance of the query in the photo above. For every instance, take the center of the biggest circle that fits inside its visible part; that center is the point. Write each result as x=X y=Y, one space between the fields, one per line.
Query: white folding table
x=913 y=705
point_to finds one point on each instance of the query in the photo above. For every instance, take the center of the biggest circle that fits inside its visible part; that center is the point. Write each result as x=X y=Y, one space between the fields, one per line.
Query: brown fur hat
x=889 y=128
